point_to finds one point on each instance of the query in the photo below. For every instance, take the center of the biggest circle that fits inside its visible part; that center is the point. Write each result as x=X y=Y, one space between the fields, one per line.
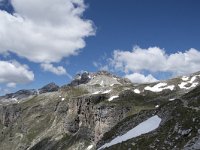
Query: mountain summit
x=103 y=111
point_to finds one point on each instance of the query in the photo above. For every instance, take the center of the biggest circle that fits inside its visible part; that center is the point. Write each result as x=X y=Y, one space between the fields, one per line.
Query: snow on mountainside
x=107 y=82
x=144 y=127
x=159 y=87
x=177 y=84
x=103 y=111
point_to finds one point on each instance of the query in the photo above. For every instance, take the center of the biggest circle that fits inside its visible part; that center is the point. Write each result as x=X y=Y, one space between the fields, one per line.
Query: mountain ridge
x=97 y=108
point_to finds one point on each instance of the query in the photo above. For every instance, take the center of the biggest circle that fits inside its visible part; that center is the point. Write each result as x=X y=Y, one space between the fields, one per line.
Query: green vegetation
x=75 y=92
x=39 y=126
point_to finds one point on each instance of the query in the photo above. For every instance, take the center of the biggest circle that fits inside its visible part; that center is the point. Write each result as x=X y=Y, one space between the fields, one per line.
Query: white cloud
x=100 y=66
x=95 y=64
x=155 y=59
x=44 y=31
x=139 y=59
x=59 y=70
x=184 y=62
x=11 y=85
x=140 y=78
x=13 y=73
x=56 y=70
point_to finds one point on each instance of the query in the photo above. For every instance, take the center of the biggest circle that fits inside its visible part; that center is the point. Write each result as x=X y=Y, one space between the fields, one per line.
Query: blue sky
x=154 y=40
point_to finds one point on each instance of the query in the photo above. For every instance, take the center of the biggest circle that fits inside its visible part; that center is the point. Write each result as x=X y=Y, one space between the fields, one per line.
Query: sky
x=52 y=40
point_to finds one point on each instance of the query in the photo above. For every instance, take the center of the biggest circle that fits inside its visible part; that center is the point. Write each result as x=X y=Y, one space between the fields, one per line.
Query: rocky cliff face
x=89 y=112
x=98 y=108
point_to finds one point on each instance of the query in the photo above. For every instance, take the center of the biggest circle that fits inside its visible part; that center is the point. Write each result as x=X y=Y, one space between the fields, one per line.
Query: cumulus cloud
x=60 y=70
x=100 y=66
x=11 y=85
x=140 y=78
x=44 y=31
x=13 y=73
x=155 y=59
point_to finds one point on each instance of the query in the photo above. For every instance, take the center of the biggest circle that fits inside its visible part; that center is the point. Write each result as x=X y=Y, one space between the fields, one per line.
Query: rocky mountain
x=18 y=96
x=51 y=87
x=103 y=111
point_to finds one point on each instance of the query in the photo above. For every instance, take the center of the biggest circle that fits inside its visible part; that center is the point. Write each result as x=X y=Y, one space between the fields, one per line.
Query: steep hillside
x=103 y=111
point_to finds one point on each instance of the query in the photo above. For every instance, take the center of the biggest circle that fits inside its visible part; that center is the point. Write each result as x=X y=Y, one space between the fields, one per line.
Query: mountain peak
x=51 y=87
x=101 y=77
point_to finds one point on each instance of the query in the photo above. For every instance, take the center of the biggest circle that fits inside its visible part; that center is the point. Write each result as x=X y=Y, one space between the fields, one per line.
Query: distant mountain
x=27 y=93
x=103 y=111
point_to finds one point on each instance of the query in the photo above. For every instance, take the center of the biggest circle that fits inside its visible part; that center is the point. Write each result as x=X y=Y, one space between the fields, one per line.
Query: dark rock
x=81 y=79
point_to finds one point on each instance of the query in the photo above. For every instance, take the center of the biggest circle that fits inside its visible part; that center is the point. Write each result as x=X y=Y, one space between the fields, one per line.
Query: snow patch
x=102 y=83
x=182 y=85
x=104 y=92
x=97 y=92
x=185 y=78
x=193 y=79
x=90 y=147
x=63 y=99
x=144 y=127
x=38 y=92
x=137 y=91
x=113 y=97
x=14 y=99
x=107 y=91
x=171 y=99
x=156 y=106
x=159 y=87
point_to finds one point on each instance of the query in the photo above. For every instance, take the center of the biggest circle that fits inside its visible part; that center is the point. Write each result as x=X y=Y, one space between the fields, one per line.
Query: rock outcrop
x=81 y=79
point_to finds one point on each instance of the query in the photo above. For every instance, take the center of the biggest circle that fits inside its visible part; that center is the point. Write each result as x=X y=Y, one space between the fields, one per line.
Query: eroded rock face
x=81 y=112
x=87 y=113
x=9 y=114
